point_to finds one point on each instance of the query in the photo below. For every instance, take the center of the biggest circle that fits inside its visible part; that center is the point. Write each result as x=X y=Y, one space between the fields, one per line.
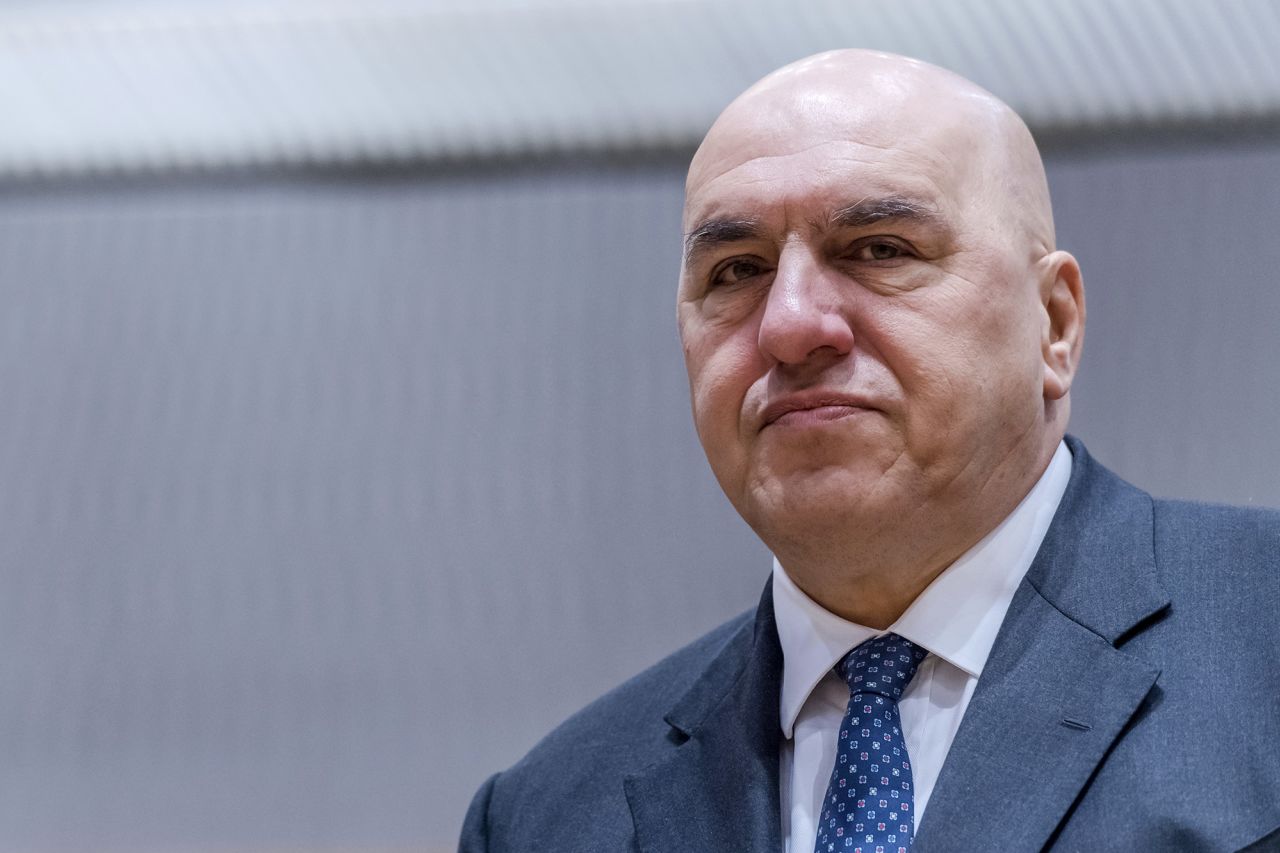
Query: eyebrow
x=869 y=211
x=717 y=232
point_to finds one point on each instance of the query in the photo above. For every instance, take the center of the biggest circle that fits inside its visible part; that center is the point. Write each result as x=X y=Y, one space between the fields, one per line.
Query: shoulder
x=1168 y=578
x=1182 y=538
x=1219 y=529
x=567 y=793
x=1224 y=560
x=629 y=718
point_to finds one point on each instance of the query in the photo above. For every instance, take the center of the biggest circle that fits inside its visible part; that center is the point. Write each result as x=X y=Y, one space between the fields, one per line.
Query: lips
x=812 y=408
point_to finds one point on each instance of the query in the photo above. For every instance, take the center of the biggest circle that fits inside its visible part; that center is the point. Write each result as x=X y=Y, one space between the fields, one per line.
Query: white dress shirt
x=956 y=619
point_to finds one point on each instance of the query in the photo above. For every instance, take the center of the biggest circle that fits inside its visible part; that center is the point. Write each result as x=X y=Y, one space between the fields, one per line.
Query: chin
x=810 y=500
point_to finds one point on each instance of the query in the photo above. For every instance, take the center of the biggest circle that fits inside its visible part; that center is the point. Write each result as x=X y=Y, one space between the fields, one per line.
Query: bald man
x=975 y=637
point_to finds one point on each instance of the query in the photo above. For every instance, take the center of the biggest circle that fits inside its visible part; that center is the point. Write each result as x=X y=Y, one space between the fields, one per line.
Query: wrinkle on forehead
x=836 y=174
x=974 y=145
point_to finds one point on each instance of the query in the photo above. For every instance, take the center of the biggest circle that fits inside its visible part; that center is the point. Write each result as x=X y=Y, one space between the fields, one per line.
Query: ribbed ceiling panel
x=123 y=88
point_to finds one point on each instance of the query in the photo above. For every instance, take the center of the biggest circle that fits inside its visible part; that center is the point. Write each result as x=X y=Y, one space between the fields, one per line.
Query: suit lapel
x=1051 y=701
x=718 y=789
x=1056 y=691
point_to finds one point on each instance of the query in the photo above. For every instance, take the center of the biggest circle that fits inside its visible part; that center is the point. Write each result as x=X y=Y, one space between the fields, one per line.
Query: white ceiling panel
x=123 y=87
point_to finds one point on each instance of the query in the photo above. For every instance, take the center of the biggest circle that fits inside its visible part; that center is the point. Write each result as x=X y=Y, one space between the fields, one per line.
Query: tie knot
x=881 y=665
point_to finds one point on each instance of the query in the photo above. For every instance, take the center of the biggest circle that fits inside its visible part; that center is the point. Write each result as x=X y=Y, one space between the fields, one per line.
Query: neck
x=869 y=591
x=870 y=573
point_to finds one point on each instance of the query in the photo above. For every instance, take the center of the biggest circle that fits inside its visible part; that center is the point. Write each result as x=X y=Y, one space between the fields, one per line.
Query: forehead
x=801 y=158
x=810 y=185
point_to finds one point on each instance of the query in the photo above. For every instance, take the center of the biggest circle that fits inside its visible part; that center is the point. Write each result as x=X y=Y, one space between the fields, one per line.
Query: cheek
x=962 y=362
x=720 y=379
x=722 y=371
x=1012 y=342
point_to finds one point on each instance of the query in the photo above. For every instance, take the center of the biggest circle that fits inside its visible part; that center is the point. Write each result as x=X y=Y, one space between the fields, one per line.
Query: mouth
x=801 y=412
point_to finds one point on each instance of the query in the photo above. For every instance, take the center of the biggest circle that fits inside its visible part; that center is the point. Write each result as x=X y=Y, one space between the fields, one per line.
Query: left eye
x=878 y=250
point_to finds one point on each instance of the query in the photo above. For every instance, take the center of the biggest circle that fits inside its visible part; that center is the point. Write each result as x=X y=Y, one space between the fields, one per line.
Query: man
x=975 y=637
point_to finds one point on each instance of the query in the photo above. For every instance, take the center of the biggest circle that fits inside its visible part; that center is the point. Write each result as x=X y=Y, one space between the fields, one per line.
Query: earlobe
x=1062 y=298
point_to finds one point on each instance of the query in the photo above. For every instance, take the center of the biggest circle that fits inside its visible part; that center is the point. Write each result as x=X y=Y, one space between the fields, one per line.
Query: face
x=860 y=314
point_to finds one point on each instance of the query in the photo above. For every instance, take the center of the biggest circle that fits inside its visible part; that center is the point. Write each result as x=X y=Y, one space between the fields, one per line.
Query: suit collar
x=1097 y=565
x=717 y=790
x=1056 y=692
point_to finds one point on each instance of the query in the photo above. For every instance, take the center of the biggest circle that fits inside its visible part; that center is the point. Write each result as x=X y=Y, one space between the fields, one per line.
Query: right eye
x=737 y=271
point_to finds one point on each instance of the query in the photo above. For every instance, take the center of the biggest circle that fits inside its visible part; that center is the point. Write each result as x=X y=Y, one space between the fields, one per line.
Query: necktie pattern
x=869 y=802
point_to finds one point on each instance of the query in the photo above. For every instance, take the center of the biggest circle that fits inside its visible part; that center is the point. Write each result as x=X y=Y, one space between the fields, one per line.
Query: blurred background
x=344 y=440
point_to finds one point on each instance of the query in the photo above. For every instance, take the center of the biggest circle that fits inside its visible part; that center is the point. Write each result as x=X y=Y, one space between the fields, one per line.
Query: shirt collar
x=957 y=616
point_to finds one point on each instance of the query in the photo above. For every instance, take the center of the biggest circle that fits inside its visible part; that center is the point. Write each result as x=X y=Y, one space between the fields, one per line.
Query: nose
x=804 y=314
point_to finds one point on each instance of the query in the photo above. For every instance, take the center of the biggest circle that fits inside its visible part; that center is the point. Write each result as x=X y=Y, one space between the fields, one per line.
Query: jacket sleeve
x=475 y=826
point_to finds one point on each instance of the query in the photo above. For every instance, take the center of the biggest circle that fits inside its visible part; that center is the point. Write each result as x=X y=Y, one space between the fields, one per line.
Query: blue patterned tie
x=869 y=803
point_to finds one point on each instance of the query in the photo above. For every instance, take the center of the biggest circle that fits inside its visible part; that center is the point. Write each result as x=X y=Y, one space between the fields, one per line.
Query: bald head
x=886 y=101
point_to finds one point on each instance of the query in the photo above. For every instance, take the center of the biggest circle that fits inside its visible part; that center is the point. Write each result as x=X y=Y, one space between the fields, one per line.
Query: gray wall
x=1180 y=389
x=323 y=497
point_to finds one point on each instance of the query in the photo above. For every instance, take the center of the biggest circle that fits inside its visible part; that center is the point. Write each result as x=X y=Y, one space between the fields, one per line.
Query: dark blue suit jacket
x=1131 y=702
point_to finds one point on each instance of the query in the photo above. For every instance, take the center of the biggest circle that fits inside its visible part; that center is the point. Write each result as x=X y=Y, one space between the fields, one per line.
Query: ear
x=1062 y=334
